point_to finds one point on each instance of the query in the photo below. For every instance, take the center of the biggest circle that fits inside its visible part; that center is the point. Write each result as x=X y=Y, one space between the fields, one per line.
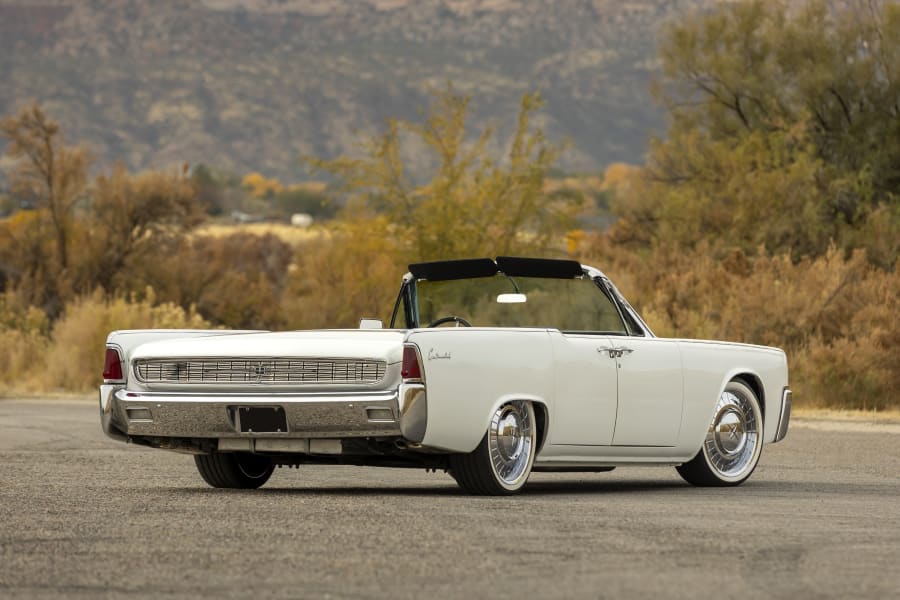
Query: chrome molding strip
x=123 y=394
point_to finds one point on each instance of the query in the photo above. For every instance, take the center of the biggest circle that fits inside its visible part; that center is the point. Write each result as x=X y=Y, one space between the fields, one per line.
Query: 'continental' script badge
x=432 y=355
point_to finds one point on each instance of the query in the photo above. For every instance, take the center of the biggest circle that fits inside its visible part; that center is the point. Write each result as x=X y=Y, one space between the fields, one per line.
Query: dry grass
x=70 y=358
x=290 y=234
x=879 y=417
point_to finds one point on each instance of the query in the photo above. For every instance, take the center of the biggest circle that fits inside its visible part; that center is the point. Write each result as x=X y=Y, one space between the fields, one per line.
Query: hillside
x=254 y=85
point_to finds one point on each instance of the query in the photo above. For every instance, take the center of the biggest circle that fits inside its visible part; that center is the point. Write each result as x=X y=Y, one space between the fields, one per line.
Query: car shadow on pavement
x=538 y=488
x=561 y=487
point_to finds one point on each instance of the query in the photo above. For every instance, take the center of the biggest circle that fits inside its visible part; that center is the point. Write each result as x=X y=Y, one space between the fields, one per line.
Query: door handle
x=615 y=352
x=612 y=351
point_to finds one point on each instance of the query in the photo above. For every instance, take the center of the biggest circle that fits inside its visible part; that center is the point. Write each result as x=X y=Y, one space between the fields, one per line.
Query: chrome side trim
x=785 y=418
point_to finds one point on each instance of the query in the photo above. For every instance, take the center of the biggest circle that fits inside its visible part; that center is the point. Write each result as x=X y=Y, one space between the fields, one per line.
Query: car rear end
x=297 y=392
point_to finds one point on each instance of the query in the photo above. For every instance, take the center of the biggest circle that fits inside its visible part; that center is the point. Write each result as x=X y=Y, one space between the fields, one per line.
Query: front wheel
x=239 y=470
x=733 y=442
x=501 y=463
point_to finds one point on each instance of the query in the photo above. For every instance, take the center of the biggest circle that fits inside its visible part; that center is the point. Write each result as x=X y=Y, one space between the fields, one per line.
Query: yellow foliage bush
x=73 y=360
x=260 y=186
x=354 y=272
x=23 y=341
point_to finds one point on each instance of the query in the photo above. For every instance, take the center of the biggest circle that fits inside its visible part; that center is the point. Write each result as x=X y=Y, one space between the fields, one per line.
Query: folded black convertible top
x=444 y=270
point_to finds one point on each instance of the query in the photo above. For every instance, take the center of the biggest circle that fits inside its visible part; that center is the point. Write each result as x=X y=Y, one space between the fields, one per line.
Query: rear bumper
x=125 y=414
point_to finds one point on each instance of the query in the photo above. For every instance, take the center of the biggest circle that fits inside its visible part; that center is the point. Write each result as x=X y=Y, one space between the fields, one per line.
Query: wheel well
x=753 y=382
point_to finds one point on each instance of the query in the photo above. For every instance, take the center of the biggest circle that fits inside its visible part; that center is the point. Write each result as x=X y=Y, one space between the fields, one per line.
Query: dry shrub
x=353 y=273
x=74 y=360
x=860 y=368
x=234 y=280
x=23 y=342
x=851 y=373
x=835 y=315
x=22 y=355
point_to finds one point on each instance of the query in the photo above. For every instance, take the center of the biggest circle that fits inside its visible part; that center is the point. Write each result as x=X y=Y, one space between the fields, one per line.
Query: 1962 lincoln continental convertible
x=491 y=369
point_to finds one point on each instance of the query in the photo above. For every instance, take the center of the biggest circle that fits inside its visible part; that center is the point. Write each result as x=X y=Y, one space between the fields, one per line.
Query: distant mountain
x=254 y=85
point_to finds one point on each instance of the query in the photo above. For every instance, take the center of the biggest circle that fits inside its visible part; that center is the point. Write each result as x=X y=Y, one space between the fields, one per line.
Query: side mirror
x=511 y=298
x=366 y=323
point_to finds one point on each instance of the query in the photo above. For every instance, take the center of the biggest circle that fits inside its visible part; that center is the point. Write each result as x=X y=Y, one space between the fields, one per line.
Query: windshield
x=501 y=301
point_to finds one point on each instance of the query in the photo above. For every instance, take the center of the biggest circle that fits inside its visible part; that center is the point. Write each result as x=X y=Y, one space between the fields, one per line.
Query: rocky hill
x=253 y=85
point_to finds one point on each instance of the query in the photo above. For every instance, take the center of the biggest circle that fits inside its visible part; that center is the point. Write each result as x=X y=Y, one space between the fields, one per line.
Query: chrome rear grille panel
x=260 y=371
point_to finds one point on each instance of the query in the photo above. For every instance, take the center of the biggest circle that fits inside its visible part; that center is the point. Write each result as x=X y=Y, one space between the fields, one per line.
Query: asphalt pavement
x=83 y=516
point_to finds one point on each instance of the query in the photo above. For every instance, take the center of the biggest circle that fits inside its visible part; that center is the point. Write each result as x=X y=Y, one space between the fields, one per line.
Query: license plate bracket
x=260 y=419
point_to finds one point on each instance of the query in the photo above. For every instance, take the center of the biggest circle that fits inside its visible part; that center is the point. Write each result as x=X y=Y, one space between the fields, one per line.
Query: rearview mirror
x=511 y=298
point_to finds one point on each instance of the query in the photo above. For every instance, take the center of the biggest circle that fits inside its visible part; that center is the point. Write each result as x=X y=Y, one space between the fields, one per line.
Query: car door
x=586 y=390
x=650 y=391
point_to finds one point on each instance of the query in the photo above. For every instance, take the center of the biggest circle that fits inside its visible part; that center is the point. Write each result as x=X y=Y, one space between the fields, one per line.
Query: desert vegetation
x=769 y=213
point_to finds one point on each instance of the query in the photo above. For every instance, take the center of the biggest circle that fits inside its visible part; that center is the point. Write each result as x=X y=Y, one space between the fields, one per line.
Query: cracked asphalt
x=82 y=516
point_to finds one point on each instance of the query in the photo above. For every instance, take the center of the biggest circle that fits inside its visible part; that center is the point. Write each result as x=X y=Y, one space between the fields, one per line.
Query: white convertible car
x=491 y=369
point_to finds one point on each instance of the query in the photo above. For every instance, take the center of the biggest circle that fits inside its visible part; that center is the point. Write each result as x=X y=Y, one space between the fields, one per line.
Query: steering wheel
x=451 y=319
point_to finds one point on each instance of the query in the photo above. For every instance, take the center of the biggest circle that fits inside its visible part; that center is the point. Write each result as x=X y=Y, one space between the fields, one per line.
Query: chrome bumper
x=125 y=414
x=784 y=418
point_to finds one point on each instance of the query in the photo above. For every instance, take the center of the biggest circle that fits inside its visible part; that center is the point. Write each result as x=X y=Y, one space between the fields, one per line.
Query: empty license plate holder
x=260 y=419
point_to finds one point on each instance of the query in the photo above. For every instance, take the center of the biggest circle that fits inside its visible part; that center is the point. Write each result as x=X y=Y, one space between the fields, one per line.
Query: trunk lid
x=331 y=360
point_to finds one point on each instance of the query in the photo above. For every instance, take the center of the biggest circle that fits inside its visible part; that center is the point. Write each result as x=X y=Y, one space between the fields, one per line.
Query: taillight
x=412 y=364
x=112 y=366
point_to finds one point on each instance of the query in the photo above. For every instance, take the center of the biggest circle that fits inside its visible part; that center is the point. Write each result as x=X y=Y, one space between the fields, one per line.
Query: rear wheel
x=240 y=470
x=501 y=463
x=733 y=442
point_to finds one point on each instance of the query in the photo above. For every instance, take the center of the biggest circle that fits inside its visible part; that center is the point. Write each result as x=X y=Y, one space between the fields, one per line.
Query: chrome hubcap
x=732 y=442
x=728 y=432
x=511 y=442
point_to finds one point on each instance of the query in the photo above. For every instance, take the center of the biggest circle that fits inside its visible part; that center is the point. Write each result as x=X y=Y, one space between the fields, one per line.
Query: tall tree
x=471 y=203
x=784 y=130
x=133 y=217
x=46 y=170
x=82 y=235
x=36 y=256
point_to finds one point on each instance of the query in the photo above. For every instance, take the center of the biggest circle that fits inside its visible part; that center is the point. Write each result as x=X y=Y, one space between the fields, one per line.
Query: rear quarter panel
x=469 y=372
x=709 y=366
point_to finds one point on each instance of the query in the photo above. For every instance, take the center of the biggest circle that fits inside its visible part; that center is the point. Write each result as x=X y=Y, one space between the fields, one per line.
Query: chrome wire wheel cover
x=511 y=438
x=733 y=443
